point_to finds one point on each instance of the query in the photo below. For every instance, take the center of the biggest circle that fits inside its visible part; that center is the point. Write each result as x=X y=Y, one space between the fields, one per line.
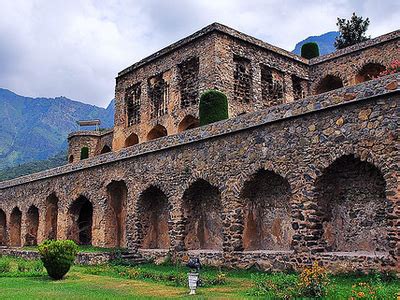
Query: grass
x=21 y=279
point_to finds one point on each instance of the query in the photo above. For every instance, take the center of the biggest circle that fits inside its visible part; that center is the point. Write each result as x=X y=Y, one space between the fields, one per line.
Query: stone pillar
x=288 y=95
x=176 y=226
x=393 y=232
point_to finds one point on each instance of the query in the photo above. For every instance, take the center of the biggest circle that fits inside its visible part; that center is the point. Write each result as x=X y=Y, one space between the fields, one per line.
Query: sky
x=75 y=48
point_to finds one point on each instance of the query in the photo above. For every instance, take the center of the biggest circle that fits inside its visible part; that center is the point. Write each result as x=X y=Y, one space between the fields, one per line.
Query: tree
x=351 y=31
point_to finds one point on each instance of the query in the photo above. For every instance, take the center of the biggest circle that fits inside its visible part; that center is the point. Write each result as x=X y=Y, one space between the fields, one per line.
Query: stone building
x=306 y=167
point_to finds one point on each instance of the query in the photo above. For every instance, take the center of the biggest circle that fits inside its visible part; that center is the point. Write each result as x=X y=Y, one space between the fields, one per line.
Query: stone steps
x=133 y=257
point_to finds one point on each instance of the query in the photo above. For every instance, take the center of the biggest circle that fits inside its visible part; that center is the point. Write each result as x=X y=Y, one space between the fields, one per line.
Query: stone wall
x=300 y=144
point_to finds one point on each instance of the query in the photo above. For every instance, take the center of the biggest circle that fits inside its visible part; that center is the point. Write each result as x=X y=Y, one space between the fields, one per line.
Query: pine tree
x=351 y=31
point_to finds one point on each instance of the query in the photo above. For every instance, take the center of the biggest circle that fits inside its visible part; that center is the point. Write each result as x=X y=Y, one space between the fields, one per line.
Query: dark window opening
x=133 y=102
x=84 y=153
x=272 y=85
x=189 y=82
x=159 y=95
x=242 y=79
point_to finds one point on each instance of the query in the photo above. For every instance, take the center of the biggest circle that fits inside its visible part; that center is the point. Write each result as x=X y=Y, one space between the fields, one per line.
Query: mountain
x=325 y=42
x=37 y=128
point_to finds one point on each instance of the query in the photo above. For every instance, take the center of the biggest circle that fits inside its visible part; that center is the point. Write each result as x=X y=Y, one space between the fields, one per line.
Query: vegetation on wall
x=213 y=107
x=351 y=31
x=310 y=50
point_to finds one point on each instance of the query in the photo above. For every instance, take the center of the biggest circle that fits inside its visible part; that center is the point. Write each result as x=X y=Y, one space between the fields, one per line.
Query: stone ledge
x=96 y=133
x=360 y=46
x=385 y=86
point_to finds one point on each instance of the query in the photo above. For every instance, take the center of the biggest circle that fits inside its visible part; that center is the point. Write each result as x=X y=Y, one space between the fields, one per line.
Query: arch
x=117 y=195
x=105 y=149
x=15 y=227
x=3 y=228
x=266 y=212
x=51 y=217
x=71 y=159
x=32 y=225
x=157 y=132
x=84 y=153
x=153 y=215
x=202 y=211
x=369 y=71
x=329 y=83
x=188 y=122
x=131 y=140
x=350 y=194
x=81 y=213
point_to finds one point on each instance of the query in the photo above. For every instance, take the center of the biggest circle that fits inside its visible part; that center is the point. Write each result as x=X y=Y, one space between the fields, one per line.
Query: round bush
x=213 y=107
x=310 y=50
x=57 y=257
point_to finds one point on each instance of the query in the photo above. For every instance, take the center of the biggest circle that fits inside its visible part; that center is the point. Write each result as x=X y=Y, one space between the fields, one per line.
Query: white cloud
x=76 y=48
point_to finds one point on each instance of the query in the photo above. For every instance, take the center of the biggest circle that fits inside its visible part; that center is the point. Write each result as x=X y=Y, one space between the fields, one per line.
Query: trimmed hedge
x=310 y=50
x=213 y=107
x=57 y=257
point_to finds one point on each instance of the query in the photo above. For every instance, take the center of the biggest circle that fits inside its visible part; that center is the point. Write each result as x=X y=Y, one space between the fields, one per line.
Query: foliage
x=310 y=50
x=313 y=281
x=33 y=167
x=213 y=107
x=393 y=68
x=276 y=286
x=351 y=31
x=18 y=267
x=58 y=256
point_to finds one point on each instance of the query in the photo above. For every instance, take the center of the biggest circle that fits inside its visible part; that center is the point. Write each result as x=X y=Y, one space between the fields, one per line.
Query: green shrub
x=57 y=257
x=274 y=286
x=213 y=107
x=5 y=265
x=310 y=50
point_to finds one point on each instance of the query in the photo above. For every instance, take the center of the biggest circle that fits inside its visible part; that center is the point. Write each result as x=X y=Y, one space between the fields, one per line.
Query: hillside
x=325 y=42
x=37 y=128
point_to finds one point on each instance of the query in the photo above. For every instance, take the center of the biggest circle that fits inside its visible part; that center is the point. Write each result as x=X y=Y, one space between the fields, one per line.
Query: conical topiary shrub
x=213 y=107
x=310 y=50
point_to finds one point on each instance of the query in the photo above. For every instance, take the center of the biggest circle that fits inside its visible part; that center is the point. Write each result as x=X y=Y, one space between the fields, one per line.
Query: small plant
x=213 y=107
x=5 y=265
x=276 y=286
x=313 y=281
x=57 y=257
x=363 y=290
x=310 y=50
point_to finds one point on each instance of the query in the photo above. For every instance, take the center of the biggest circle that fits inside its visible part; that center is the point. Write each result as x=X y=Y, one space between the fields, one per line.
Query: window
x=189 y=82
x=132 y=102
x=84 y=153
x=272 y=85
x=159 y=95
x=242 y=79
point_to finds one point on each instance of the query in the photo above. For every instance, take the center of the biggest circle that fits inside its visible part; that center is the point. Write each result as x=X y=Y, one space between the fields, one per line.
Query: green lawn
x=82 y=248
x=21 y=279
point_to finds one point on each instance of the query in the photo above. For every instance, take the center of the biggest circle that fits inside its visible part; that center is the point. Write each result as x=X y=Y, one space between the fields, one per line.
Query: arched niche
x=353 y=207
x=51 y=217
x=329 y=83
x=266 y=212
x=3 y=228
x=117 y=195
x=153 y=215
x=202 y=214
x=188 y=122
x=15 y=227
x=368 y=72
x=157 y=132
x=81 y=214
x=105 y=149
x=131 y=140
x=32 y=226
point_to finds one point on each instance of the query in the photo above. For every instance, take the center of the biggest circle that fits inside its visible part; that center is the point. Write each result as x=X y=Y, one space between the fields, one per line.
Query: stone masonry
x=291 y=177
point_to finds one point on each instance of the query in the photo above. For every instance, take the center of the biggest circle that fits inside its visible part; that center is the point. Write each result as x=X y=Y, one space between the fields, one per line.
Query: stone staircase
x=133 y=257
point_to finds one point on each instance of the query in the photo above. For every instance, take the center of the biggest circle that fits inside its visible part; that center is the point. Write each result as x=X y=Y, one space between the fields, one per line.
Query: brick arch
x=352 y=205
x=329 y=82
x=131 y=140
x=188 y=122
x=202 y=215
x=3 y=228
x=32 y=226
x=156 y=132
x=15 y=227
x=81 y=212
x=266 y=200
x=368 y=70
x=152 y=212
x=51 y=216
x=195 y=176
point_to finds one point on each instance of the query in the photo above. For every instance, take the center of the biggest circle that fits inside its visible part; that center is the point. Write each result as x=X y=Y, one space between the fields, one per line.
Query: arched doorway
x=353 y=206
x=105 y=149
x=15 y=227
x=153 y=215
x=81 y=212
x=84 y=153
x=131 y=140
x=32 y=225
x=3 y=228
x=266 y=212
x=51 y=217
x=71 y=159
x=369 y=71
x=116 y=214
x=202 y=214
x=157 y=132
x=188 y=122
x=329 y=83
